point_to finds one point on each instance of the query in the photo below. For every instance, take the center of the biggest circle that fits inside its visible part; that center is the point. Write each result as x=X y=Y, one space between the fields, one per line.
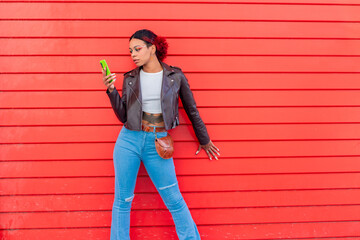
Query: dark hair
x=150 y=38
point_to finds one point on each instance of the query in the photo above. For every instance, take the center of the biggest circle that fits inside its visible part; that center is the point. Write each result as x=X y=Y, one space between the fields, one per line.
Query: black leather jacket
x=128 y=108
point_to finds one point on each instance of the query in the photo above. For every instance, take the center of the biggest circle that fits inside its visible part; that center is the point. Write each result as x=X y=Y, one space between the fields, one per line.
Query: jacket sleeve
x=189 y=104
x=118 y=103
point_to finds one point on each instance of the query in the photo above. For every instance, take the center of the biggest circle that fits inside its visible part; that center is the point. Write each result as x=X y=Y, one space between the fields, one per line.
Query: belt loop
x=155 y=132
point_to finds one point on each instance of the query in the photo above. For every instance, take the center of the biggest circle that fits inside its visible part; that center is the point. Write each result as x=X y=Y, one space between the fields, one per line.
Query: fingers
x=110 y=77
x=207 y=152
x=212 y=152
x=199 y=149
x=106 y=79
x=210 y=149
x=216 y=150
x=110 y=85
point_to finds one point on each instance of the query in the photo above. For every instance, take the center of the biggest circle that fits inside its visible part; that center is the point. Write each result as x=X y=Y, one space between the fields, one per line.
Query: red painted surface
x=276 y=82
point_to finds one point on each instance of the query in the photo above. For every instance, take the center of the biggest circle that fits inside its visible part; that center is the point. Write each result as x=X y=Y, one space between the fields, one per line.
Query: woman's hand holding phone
x=107 y=78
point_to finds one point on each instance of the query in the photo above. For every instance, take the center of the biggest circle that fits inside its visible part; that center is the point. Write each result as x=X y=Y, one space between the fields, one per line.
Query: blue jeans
x=130 y=148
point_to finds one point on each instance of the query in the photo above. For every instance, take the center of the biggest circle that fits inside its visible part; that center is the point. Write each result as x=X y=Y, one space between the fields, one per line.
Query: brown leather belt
x=148 y=128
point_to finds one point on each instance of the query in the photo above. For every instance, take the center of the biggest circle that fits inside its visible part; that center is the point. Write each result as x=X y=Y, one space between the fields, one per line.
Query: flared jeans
x=131 y=147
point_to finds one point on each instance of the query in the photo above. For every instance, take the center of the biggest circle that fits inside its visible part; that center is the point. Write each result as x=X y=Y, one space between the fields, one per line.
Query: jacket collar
x=135 y=82
x=167 y=70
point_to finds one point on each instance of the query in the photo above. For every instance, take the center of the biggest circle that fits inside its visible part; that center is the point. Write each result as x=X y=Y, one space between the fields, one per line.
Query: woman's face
x=139 y=52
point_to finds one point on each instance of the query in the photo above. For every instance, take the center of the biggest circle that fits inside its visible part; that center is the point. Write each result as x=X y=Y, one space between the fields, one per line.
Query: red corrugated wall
x=276 y=82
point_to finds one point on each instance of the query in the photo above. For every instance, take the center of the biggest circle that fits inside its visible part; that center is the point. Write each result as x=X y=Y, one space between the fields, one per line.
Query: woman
x=149 y=105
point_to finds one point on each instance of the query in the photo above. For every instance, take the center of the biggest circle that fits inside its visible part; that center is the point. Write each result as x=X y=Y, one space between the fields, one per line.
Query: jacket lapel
x=166 y=79
x=135 y=85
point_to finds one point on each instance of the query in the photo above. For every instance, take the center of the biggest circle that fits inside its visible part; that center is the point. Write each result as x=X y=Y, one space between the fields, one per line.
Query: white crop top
x=151 y=90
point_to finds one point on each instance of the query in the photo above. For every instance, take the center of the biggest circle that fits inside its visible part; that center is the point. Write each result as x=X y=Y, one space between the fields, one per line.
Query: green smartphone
x=104 y=65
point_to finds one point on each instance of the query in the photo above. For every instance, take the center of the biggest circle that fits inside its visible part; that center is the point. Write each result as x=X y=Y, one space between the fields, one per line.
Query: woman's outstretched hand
x=209 y=148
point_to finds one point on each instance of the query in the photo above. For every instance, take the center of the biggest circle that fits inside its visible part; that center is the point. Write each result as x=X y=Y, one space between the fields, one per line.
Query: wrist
x=110 y=89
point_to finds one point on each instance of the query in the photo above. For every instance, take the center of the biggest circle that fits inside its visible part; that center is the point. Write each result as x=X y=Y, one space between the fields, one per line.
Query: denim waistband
x=154 y=127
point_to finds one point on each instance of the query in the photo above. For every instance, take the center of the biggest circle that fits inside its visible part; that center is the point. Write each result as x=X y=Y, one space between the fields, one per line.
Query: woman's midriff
x=153 y=119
